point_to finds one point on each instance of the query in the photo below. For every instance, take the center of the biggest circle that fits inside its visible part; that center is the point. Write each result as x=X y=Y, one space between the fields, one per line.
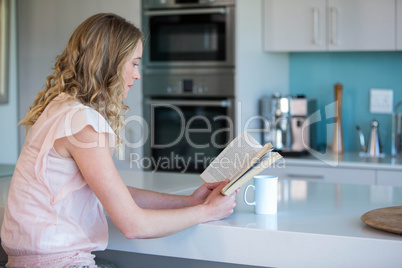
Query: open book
x=241 y=160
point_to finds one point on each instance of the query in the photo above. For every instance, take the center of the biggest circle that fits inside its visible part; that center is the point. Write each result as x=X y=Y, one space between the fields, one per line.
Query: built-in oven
x=188 y=83
x=187 y=134
x=190 y=118
x=188 y=33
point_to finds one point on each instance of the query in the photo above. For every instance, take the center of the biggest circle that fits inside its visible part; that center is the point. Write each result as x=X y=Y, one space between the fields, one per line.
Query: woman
x=65 y=173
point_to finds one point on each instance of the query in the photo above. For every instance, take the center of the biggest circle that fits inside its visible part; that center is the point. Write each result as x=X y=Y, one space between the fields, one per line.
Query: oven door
x=189 y=37
x=186 y=135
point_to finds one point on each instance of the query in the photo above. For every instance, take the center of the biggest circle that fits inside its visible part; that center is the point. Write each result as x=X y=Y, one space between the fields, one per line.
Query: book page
x=236 y=157
x=268 y=159
x=262 y=161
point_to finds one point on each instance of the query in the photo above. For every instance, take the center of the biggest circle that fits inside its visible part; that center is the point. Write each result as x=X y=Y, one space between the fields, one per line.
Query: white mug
x=265 y=194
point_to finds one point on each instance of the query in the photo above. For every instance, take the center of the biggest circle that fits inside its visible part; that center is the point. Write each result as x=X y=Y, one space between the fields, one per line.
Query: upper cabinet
x=295 y=25
x=361 y=25
x=329 y=25
x=399 y=25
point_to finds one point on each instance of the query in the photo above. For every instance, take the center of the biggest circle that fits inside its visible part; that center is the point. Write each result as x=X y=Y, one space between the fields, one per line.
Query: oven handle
x=223 y=103
x=186 y=12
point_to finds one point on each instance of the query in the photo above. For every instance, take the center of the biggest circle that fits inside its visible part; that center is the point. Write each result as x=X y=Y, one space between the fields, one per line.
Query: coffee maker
x=285 y=123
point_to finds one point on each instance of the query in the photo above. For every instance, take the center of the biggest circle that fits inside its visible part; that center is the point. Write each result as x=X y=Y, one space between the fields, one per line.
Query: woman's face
x=131 y=71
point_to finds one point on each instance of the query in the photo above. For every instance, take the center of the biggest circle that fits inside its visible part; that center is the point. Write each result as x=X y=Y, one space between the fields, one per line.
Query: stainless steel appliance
x=188 y=82
x=285 y=123
x=398 y=130
x=396 y=135
x=190 y=118
x=189 y=33
x=373 y=149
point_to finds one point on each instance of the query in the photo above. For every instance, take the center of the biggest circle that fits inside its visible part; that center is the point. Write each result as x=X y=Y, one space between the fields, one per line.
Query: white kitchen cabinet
x=329 y=25
x=399 y=25
x=324 y=174
x=389 y=177
x=294 y=25
x=361 y=25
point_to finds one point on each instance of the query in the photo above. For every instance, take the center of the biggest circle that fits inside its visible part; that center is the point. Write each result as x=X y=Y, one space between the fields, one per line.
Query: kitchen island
x=317 y=225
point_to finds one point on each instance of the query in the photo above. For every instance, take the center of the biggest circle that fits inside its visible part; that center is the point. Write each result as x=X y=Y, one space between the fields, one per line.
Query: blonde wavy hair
x=90 y=69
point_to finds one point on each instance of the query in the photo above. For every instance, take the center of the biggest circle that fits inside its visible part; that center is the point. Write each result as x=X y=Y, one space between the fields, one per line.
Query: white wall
x=8 y=112
x=44 y=27
x=258 y=73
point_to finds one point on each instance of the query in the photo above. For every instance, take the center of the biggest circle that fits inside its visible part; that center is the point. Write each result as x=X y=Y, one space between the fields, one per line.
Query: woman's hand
x=200 y=195
x=220 y=206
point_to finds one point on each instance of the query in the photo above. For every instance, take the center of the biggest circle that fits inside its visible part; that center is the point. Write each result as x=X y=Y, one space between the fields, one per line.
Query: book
x=240 y=161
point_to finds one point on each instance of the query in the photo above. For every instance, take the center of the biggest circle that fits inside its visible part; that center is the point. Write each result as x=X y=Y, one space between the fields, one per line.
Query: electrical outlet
x=381 y=101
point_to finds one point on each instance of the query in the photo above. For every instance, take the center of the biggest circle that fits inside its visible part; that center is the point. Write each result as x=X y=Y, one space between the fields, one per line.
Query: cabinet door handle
x=316 y=23
x=305 y=176
x=334 y=22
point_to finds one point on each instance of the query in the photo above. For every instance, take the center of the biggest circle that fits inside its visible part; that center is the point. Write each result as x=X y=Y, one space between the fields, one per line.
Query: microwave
x=188 y=33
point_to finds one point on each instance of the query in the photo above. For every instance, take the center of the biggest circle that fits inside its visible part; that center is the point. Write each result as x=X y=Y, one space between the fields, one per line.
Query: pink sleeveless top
x=52 y=216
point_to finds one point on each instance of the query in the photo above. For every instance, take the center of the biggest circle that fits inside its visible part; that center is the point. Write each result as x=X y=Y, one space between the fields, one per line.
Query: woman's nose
x=136 y=74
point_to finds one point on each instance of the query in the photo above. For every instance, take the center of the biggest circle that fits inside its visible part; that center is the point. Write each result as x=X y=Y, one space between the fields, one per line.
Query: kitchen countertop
x=347 y=160
x=317 y=224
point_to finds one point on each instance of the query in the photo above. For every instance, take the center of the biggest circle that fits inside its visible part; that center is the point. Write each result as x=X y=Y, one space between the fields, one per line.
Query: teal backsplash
x=315 y=74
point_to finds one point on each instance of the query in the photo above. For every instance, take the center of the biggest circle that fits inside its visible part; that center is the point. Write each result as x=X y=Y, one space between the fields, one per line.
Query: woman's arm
x=97 y=168
x=153 y=200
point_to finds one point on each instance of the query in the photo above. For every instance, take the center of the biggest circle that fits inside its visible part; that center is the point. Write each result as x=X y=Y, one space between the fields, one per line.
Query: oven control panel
x=217 y=84
x=187 y=86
